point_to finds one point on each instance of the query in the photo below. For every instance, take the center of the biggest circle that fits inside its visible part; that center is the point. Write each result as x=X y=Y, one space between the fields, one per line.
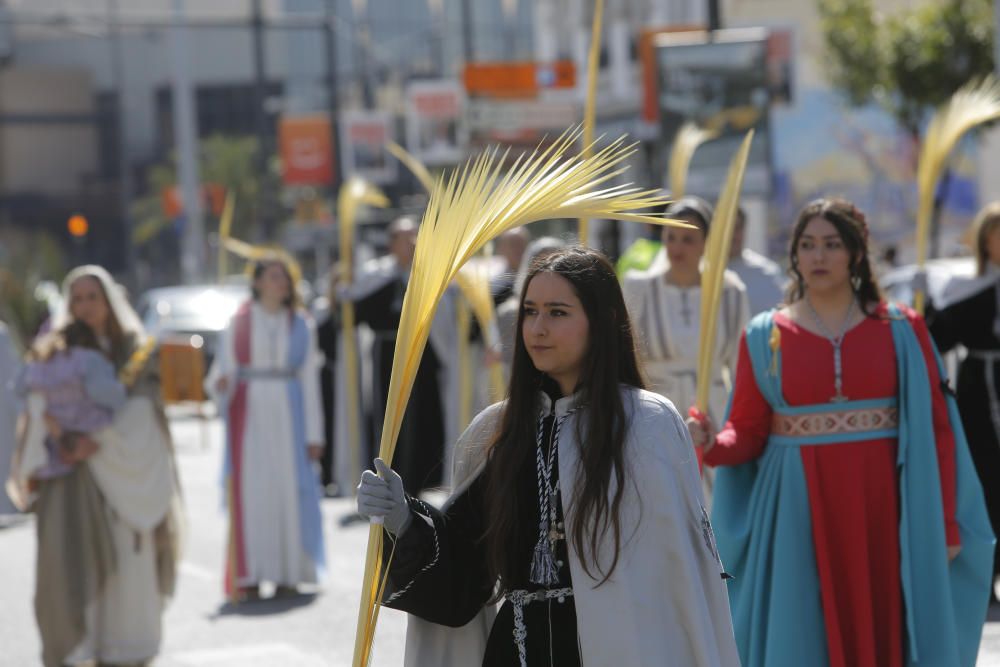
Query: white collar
x=563 y=406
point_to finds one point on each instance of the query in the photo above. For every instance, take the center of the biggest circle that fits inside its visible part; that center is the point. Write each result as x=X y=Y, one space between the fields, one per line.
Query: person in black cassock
x=378 y=302
x=328 y=338
x=546 y=514
x=968 y=314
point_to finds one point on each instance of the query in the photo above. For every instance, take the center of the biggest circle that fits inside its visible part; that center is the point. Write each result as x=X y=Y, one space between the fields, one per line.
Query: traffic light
x=77 y=226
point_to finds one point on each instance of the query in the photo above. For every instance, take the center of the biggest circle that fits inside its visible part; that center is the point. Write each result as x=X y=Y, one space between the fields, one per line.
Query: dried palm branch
x=590 y=106
x=972 y=105
x=716 y=257
x=686 y=142
x=354 y=193
x=260 y=253
x=473 y=205
x=473 y=281
x=225 y=226
x=415 y=166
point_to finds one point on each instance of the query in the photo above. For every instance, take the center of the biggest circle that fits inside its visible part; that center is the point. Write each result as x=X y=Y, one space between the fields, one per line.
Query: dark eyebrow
x=828 y=236
x=549 y=304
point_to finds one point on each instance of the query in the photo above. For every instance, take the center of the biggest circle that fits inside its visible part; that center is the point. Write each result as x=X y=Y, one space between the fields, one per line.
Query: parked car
x=196 y=314
x=943 y=275
x=897 y=283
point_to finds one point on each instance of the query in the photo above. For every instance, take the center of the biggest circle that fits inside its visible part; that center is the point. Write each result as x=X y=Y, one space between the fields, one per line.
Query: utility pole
x=363 y=44
x=714 y=15
x=996 y=37
x=332 y=80
x=262 y=210
x=186 y=138
x=124 y=169
x=468 y=48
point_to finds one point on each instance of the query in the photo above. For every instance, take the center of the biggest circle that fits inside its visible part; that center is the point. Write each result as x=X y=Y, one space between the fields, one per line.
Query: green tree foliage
x=908 y=62
x=38 y=258
x=226 y=161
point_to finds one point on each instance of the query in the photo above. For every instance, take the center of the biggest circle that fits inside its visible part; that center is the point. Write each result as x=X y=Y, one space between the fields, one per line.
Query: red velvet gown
x=852 y=487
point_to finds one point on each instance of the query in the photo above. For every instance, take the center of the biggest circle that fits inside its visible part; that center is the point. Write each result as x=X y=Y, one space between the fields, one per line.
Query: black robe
x=457 y=584
x=420 y=447
x=970 y=323
x=328 y=336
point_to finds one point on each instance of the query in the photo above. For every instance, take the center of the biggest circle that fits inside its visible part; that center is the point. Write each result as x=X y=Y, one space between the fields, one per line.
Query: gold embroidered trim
x=835 y=421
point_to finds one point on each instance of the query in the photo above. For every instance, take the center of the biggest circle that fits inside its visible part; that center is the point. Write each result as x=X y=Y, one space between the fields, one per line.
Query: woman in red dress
x=838 y=410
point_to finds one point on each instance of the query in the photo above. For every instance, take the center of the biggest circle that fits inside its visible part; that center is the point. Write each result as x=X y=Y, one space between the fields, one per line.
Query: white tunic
x=272 y=538
x=667 y=321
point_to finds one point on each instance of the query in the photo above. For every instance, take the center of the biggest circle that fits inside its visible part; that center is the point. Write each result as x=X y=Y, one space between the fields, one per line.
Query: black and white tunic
x=439 y=572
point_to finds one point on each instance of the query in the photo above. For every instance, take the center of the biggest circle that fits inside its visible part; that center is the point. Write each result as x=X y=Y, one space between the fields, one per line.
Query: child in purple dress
x=81 y=393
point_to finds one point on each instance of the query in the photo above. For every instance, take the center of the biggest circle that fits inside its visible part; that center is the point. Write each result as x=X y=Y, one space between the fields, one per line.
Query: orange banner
x=517 y=79
x=306 y=150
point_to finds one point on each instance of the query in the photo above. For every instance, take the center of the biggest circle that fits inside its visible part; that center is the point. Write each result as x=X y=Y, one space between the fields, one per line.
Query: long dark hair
x=121 y=342
x=852 y=227
x=986 y=221
x=601 y=428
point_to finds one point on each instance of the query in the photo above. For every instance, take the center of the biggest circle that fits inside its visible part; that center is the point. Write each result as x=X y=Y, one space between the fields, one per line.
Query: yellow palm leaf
x=686 y=142
x=716 y=258
x=354 y=193
x=415 y=166
x=225 y=225
x=262 y=253
x=590 y=106
x=473 y=281
x=467 y=209
x=972 y=105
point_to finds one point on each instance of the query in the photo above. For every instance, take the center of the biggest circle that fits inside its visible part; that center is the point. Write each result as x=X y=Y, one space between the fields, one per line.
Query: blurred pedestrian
x=546 y=514
x=969 y=315
x=378 y=302
x=763 y=278
x=510 y=247
x=266 y=374
x=9 y=367
x=665 y=304
x=846 y=505
x=328 y=339
x=107 y=499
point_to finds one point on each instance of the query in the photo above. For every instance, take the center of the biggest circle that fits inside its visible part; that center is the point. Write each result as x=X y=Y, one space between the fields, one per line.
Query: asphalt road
x=202 y=630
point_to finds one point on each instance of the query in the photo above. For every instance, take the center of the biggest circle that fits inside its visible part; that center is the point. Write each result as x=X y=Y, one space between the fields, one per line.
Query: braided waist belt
x=518 y=599
x=252 y=373
x=831 y=423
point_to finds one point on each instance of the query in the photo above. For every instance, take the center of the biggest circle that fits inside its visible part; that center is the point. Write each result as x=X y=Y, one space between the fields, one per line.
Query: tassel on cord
x=543 y=564
x=775 y=343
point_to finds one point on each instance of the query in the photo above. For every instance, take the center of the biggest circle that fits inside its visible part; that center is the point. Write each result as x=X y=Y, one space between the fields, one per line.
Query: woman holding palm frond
x=577 y=505
x=845 y=500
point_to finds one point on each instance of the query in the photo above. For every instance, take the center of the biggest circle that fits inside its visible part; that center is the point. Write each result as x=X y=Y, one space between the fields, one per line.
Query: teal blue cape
x=763 y=526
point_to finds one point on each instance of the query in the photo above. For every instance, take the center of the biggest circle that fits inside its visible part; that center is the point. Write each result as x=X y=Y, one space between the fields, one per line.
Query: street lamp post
x=714 y=15
x=363 y=43
x=996 y=37
x=124 y=171
x=186 y=138
x=334 y=95
x=509 y=8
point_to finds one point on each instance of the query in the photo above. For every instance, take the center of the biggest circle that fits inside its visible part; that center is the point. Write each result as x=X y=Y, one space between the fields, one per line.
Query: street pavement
x=202 y=630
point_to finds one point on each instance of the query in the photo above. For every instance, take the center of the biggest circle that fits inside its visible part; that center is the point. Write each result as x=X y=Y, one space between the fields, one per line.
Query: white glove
x=383 y=500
